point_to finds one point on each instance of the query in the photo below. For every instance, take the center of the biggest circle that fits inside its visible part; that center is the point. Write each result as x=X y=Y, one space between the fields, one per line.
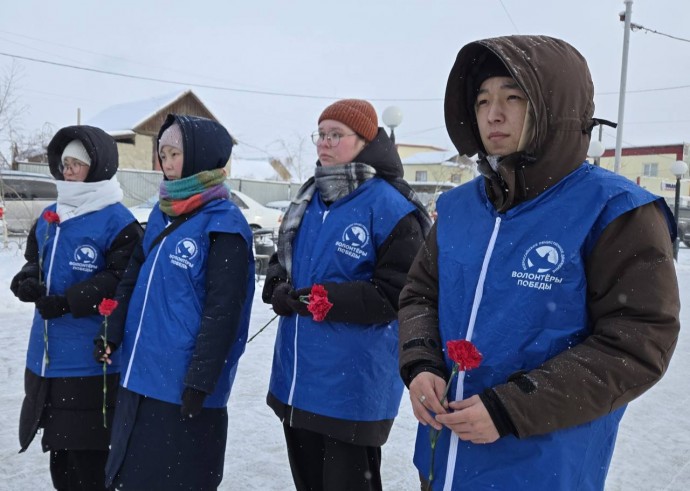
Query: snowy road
x=652 y=453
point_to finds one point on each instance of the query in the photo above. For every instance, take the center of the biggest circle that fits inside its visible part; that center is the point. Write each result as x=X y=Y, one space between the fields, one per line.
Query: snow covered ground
x=652 y=453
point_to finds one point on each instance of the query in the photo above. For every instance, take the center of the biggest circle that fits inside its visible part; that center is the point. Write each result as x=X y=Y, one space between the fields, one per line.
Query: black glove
x=192 y=402
x=30 y=290
x=285 y=300
x=52 y=306
x=20 y=278
x=99 y=350
x=17 y=280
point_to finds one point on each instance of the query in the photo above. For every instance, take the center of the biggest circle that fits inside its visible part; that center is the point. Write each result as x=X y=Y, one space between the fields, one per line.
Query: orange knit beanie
x=355 y=113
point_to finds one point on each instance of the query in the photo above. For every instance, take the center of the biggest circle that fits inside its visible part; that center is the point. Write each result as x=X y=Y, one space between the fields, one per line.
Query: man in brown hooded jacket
x=561 y=274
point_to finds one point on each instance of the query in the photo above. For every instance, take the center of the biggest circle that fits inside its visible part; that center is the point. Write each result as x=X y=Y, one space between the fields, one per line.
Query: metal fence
x=139 y=185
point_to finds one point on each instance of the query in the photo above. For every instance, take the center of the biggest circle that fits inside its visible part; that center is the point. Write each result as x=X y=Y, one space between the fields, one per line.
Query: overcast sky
x=392 y=52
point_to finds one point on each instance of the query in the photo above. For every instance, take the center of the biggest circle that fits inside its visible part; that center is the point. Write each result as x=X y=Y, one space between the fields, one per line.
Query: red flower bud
x=318 y=302
x=464 y=353
x=51 y=216
x=107 y=306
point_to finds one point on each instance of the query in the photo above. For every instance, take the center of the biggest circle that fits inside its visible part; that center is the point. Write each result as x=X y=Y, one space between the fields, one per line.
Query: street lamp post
x=621 y=96
x=678 y=169
x=392 y=117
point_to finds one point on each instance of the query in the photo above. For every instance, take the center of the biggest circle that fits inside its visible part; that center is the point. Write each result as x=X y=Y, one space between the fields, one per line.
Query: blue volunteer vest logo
x=354 y=238
x=539 y=263
x=84 y=258
x=356 y=235
x=543 y=257
x=185 y=250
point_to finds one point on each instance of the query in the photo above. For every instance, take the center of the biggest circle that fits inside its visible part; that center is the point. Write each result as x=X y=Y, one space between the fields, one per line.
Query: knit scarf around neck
x=333 y=183
x=183 y=196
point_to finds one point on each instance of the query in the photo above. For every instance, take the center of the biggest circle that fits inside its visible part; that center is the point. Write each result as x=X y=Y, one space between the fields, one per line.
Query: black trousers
x=320 y=463
x=78 y=470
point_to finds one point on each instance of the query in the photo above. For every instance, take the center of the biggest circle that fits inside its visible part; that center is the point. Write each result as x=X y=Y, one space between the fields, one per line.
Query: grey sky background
x=390 y=52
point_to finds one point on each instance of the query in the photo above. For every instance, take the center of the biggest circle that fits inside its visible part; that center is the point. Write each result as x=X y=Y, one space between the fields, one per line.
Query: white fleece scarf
x=79 y=198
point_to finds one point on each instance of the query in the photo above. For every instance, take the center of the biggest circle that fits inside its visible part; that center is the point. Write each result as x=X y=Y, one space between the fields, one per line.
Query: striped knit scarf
x=333 y=183
x=183 y=196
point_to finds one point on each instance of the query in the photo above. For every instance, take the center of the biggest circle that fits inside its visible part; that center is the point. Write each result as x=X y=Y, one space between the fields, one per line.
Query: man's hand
x=426 y=391
x=470 y=421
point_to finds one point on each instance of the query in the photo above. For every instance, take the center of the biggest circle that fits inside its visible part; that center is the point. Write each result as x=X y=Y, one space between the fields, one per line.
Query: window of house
x=455 y=178
x=651 y=170
x=420 y=176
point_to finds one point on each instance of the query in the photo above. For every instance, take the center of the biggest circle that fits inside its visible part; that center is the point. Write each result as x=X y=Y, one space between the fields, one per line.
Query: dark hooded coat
x=631 y=343
x=69 y=409
x=142 y=455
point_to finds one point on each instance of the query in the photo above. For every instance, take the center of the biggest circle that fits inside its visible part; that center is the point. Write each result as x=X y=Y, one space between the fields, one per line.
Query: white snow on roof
x=429 y=157
x=129 y=115
x=252 y=169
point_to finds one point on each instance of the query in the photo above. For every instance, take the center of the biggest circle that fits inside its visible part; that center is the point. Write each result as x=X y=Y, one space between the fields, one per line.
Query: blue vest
x=165 y=309
x=531 y=306
x=337 y=369
x=72 y=252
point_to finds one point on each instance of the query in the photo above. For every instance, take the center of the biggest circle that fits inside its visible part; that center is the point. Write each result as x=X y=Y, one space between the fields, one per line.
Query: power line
x=281 y=94
x=509 y=17
x=639 y=91
x=634 y=27
x=147 y=64
x=205 y=86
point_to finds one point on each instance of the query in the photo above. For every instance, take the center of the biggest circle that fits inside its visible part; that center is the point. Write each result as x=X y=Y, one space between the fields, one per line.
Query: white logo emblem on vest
x=355 y=236
x=544 y=257
x=84 y=258
x=185 y=250
x=539 y=264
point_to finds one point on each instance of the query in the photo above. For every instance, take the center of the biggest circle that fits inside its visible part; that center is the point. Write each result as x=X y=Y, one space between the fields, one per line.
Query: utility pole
x=621 y=95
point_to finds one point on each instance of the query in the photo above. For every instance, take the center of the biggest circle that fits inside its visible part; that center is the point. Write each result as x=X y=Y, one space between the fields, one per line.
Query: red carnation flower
x=51 y=216
x=318 y=302
x=465 y=356
x=464 y=353
x=107 y=306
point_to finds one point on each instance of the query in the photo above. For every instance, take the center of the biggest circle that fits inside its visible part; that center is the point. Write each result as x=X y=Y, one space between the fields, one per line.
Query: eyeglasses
x=73 y=167
x=332 y=137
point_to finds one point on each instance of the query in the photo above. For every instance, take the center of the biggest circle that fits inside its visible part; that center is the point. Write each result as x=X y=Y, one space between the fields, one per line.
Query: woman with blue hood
x=76 y=255
x=182 y=319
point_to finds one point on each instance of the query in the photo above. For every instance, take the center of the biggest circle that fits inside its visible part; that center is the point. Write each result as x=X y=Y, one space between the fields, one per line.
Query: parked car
x=257 y=215
x=281 y=205
x=23 y=196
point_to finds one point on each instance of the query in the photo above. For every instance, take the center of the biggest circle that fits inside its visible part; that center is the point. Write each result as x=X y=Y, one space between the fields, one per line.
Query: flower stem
x=433 y=432
x=105 y=370
x=261 y=330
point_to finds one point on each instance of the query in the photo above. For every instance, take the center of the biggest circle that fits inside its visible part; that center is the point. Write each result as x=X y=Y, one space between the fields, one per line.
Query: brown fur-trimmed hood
x=558 y=85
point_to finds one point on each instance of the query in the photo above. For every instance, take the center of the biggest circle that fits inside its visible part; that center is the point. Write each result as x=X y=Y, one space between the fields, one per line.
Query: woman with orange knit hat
x=354 y=228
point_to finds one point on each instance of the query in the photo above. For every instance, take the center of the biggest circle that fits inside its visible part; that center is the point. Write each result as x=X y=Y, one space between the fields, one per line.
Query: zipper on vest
x=459 y=388
x=141 y=316
x=47 y=279
x=294 y=370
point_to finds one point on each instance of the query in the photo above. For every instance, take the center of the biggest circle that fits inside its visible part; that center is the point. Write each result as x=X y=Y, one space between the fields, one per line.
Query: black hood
x=207 y=144
x=381 y=154
x=100 y=146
